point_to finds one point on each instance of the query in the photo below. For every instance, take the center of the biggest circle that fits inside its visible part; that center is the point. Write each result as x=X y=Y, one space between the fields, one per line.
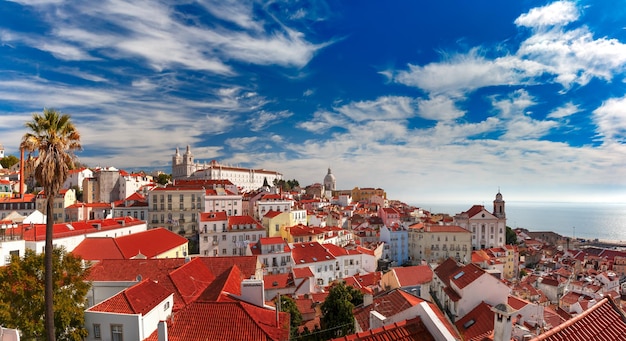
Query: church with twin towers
x=184 y=167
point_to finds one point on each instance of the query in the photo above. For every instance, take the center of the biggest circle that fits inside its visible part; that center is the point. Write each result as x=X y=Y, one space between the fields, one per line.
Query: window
x=224 y=237
x=117 y=332
x=96 y=331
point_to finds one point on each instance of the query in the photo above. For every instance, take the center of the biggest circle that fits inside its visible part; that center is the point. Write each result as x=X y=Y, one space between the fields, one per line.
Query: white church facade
x=246 y=179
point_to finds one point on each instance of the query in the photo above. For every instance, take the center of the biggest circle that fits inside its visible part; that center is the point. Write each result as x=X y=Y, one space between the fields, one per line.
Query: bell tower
x=498 y=206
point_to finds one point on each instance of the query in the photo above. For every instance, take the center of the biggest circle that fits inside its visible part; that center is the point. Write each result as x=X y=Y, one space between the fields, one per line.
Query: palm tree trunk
x=49 y=290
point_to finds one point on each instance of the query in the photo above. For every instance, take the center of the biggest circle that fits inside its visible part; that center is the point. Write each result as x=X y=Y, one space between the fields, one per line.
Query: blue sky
x=432 y=101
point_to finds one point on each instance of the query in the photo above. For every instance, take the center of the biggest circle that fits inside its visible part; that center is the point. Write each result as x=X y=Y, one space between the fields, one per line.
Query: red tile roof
x=445 y=270
x=407 y=330
x=466 y=275
x=302 y=272
x=413 y=275
x=217 y=321
x=98 y=248
x=278 y=281
x=244 y=220
x=303 y=253
x=271 y=214
x=191 y=279
x=388 y=304
x=213 y=216
x=150 y=243
x=477 y=324
x=138 y=299
x=603 y=321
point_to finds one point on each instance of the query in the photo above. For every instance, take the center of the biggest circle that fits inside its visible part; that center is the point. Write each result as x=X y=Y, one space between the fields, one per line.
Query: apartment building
x=434 y=243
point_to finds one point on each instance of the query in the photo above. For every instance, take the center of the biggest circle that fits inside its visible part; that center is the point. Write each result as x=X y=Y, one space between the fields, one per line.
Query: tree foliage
x=337 y=316
x=288 y=305
x=22 y=302
x=8 y=161
x=511 y=236
x=286 y=185
x=163 y=179
x=356 y=294
x=54 y=137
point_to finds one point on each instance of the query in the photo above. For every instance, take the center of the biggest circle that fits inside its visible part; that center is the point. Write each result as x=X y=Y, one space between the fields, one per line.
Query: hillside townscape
x=216 y=252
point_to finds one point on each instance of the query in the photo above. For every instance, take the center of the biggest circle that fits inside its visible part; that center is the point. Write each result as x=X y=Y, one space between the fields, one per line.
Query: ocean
x=603 y=221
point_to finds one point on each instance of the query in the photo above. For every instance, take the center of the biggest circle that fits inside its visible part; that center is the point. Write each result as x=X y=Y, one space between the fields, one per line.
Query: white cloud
x=439 y=108
x=555 y=14
x=383 y=108
x=263 y=119
x=241 y=143
x=568 y=109
x=610 y=118
x=166 y=38
x=466 y=73
x=322 y=121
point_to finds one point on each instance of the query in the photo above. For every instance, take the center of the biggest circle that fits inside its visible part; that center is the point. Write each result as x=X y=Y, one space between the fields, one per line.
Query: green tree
x=22 y=301
x=53 y=136
x=511 y=236
x=163 y=179
x=288 y=305
x=337 y=316
x=356 y=294
x=8 y=161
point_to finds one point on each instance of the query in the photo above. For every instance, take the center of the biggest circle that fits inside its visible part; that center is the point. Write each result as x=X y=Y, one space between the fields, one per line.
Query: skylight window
x=457 y=276
x=469 y=323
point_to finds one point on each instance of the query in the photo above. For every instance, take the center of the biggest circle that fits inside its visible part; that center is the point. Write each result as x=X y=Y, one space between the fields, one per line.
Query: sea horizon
x=592 y=220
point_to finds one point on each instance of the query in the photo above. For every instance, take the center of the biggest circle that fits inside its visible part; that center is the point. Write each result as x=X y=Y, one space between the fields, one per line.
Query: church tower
x=177 y=160
x=330 y=184
x=498 y=206
x=188 y=164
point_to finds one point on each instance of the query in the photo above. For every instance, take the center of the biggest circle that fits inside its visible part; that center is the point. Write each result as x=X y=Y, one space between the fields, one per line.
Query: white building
x=274 y=254
x=221 y=199
x=76 y=176
x=460 y=289
x=110 y=320
x=228 y=236
x=488 y=228
x=183 y=166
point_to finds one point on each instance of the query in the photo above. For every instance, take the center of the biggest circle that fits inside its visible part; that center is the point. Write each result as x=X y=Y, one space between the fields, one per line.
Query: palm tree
x=55 y=138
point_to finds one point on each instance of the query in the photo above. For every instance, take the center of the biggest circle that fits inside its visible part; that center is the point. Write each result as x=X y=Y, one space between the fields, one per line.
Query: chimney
x=162 y=331
x=367 y=299
x=502 y=324
x=252 y=291
x=377 y=319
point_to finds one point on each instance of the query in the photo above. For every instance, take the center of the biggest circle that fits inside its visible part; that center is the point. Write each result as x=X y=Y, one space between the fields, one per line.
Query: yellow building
x=65 y=198
x=359 y=194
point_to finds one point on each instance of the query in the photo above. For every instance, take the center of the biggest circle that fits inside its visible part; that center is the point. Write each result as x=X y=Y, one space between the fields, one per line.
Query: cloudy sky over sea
x=430 y=100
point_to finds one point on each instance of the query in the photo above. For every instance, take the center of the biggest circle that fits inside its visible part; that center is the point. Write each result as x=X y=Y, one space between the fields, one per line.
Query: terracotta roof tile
x=215 y=321
x=388 y=304
x=150 y=243
x=138 y=299
x=413 y=275
x=407 y=330
x=477 y=323
x=603 y=321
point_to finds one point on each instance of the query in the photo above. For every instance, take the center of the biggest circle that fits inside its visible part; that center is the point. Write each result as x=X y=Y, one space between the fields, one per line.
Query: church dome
x=329 y=177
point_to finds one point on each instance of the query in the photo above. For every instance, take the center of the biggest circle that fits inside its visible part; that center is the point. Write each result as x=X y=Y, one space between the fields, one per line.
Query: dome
x=329 y=177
